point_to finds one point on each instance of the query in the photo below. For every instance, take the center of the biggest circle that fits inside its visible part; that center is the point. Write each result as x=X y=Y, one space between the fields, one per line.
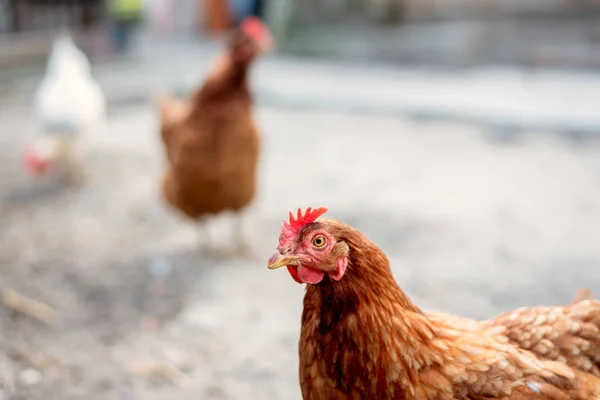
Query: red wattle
x=309 y=275
x=294 y=273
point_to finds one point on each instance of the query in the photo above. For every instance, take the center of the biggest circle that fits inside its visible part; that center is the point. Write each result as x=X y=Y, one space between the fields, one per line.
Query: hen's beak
x=277 y=260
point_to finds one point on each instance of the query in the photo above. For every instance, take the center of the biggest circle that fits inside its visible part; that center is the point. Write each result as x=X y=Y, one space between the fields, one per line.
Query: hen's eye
x=319 y=241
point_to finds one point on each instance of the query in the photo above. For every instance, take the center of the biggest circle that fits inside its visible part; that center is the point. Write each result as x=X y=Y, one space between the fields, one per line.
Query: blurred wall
x=27 y=27
x=442 y=32
x=413 y=10
x=179 y=17
x=443 y=9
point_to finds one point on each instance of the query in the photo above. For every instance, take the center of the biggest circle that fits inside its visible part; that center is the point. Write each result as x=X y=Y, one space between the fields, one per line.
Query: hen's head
x=311 y=247
x=251 y=39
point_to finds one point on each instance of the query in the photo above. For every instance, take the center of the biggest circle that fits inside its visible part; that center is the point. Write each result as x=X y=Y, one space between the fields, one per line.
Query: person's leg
x=118 y=35
x=131 y=26
x=127 y=28
x=258 y=9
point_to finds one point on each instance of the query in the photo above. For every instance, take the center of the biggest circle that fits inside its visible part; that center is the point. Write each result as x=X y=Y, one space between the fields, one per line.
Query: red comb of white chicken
x=33 y=163
x=42 y=155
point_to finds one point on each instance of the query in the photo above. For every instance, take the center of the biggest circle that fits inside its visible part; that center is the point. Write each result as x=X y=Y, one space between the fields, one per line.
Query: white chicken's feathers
x=69 y=100
x=65 y=47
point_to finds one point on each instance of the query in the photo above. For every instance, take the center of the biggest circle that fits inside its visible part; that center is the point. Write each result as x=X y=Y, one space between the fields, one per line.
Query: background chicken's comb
x=254 y=27
x=295 y=224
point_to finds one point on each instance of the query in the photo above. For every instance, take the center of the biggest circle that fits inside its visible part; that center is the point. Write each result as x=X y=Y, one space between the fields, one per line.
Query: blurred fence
x=406 y=11
x=446 y=32
x=27 y=27
x=21 y=16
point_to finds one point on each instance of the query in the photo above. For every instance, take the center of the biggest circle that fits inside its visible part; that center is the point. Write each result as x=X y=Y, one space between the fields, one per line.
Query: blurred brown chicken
x=212 y=144
x=363 y=338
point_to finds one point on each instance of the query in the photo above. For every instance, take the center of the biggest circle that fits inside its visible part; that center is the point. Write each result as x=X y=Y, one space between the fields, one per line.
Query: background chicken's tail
x=162 y=99
x=581 y=295
x=171 y=108
x=177 y=92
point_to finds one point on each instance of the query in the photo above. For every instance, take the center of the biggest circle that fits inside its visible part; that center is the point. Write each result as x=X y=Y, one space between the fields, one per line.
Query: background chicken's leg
x=208 y=242
x=204 y=236
x=74 y=168
x=241 y=238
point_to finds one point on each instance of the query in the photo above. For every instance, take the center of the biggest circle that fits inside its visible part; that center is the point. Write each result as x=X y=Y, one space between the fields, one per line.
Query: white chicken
x=69 y=106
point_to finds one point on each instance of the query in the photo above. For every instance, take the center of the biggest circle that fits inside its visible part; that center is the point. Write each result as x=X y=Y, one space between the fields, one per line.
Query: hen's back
x=569 y=334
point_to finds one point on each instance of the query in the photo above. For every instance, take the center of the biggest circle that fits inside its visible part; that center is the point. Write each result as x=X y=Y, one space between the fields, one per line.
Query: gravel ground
x=471 y=225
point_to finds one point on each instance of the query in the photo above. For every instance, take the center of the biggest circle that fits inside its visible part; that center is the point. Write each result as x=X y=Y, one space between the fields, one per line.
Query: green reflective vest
x=126 y=8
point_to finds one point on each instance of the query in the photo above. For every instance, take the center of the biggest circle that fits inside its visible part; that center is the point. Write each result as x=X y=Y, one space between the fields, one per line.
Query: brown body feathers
x=569 y=334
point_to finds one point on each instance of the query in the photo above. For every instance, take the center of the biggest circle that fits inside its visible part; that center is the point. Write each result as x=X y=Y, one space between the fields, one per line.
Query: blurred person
x=258 y=10
x=241 y=9
x=125 y=17
x=217 y=16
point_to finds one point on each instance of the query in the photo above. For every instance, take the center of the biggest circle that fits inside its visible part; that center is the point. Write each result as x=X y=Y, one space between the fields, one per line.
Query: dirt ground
x=472 y=225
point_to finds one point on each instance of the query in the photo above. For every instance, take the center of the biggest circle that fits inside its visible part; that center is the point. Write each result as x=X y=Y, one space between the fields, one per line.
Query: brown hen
x=363 y=338
x=212 y=143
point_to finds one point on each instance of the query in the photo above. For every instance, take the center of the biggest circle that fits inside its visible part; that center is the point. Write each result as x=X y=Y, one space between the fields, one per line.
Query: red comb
x=295 y=224
x=254 y=27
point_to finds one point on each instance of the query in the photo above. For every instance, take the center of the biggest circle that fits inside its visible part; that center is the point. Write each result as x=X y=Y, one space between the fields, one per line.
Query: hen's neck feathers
x=226 y=77
x=367 y=315
x=367 y=281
